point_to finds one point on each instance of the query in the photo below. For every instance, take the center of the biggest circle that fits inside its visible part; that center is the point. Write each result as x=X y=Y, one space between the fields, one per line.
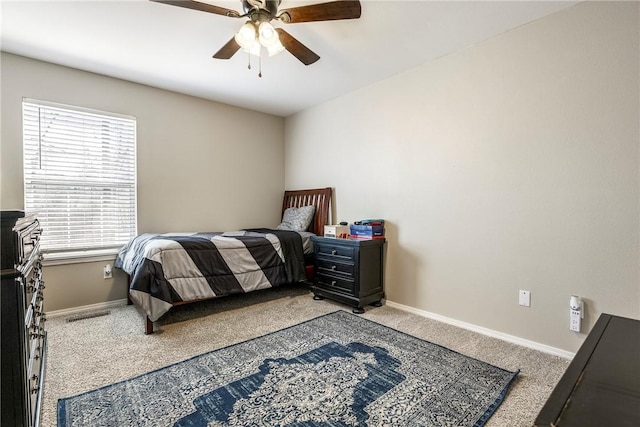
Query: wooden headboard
x=318 y=197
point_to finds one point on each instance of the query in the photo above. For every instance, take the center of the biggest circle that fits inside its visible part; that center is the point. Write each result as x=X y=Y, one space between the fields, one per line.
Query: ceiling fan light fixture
x=269 y=38
x=267 y=33
x=275 y=49
x=254 y=49
x=247 y=36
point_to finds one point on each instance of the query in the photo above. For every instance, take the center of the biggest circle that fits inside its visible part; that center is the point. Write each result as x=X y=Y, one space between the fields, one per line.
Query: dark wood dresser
x=601 y=386
x=24 y=338
x=349 y=271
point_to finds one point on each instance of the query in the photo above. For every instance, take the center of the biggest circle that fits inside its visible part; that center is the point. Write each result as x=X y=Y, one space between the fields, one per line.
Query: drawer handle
x=333 y=252
x=333 y=267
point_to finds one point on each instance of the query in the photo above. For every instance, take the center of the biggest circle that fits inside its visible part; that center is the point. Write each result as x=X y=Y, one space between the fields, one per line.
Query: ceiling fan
x=257 y=32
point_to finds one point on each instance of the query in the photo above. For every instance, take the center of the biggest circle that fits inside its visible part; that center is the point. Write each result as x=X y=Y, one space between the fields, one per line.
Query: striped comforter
x=176 y=267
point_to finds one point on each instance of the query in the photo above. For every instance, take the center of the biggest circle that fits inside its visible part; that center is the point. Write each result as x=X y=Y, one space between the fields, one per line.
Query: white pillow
x=297 y=219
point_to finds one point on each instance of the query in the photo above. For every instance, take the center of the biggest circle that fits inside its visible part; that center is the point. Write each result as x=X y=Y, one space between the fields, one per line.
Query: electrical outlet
x=524 y=298
x=107 y=271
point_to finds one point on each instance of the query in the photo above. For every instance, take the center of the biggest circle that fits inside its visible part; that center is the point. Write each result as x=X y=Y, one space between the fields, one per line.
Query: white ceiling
x=171 y=47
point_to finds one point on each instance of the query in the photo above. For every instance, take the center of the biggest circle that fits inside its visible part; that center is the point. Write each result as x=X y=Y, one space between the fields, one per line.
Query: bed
x=170 y=269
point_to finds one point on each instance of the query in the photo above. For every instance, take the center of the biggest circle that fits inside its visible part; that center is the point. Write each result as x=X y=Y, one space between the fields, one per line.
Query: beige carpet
x=94 y=352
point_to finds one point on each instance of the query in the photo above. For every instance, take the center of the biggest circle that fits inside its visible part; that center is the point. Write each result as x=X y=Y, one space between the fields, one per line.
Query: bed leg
x=129 y=302
x=148 y=327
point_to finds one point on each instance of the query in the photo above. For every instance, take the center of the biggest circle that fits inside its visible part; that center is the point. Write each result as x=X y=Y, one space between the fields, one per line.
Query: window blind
x=79 y=175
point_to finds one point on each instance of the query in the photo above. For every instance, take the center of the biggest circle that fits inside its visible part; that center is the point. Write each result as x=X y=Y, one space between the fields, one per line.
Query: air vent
x=87 y=316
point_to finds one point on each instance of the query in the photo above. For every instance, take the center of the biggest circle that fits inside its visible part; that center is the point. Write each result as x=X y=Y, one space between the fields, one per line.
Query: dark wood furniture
x=601 y=386
x=349 y=271
x=24 y=339
x=320 y=198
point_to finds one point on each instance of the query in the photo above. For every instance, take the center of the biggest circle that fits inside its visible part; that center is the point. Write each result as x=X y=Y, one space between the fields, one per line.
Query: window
x=79 y=176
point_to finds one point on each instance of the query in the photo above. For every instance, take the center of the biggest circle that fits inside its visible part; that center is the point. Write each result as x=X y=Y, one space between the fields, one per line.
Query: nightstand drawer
x=334 y=251
x=330 y=266
x=336 y=283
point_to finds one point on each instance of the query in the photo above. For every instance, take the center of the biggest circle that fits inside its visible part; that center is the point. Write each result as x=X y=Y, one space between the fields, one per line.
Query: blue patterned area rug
x=335 y=370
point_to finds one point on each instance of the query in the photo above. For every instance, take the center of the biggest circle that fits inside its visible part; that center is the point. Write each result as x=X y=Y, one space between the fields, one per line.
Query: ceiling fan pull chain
x=249 y=58
x=260 y=66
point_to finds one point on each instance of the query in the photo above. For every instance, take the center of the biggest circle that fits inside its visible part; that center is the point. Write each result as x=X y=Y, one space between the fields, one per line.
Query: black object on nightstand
x=349 y=271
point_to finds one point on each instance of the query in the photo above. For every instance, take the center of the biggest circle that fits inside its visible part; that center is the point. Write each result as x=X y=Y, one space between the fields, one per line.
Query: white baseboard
x=86 y=308
x=484 y=331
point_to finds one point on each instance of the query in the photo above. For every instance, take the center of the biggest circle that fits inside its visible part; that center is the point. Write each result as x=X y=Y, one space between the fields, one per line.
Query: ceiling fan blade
x=228 y=50
x=203 y=7
x=341 y=9
x=297 y=49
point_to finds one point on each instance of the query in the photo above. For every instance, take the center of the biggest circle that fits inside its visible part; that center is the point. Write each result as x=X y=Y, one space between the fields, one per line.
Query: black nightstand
x=349 y=271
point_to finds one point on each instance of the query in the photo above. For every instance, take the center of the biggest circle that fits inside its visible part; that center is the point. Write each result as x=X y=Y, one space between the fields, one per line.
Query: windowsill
x=76 y=257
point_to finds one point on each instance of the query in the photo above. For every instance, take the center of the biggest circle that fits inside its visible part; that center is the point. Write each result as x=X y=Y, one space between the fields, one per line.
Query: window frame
x=54 y=256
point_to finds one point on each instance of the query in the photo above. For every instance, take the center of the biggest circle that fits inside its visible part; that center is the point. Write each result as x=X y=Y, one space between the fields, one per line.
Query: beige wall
x=200 y=165
x=510 y=165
